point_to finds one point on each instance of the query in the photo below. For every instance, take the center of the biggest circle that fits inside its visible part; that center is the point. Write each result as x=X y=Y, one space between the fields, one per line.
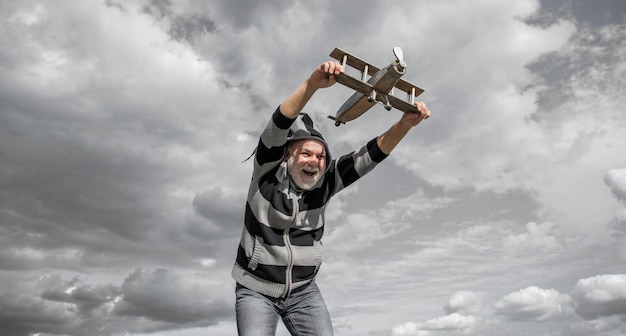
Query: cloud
x=609 y=326
x=166 y=296
x=532 y=304
x=220 y=207
x=454 y=321
x=145 y=301
x=85 y=298
x=616 y=180
x=599 y=299
x=601 y=295
x=537 y=236
x=464 y=302
x=358 y=230
x=22 y=311
x=544 y=120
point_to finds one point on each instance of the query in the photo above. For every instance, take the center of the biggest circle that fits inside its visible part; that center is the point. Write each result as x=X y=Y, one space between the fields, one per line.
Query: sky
x=124 y=124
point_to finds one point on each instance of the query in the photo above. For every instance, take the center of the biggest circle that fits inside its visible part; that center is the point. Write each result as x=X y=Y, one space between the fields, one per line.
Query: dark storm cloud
x=554 y=71
x=242 y=14
x=61 y=181
x=164 y=296
x=85 y=159
x=21 y=316
x=182 y=27
x=220 y=208
x=144 y=302
x=85 y=298
x=595 y=13
x=189 y=29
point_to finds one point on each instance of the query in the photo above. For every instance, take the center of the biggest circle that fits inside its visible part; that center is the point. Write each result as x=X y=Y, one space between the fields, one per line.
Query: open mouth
x=309 y=172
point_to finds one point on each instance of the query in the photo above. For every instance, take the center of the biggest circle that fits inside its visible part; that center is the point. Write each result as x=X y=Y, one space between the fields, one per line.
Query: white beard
x=296 y=176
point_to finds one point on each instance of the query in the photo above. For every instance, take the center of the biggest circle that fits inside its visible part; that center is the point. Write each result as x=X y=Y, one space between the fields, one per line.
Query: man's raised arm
x=322 y=77
x=390 y=139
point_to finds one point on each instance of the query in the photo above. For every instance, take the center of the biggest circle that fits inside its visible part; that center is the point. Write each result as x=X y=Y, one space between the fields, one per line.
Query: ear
x=287 y=153
x=288 y=149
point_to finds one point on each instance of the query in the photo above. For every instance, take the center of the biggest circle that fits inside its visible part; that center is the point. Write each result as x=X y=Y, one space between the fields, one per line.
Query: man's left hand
x=412 y=119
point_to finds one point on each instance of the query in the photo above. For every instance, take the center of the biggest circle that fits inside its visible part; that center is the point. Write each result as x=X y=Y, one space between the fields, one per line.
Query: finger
x=324 y=67
x=339 y=68
x=424 y=111
x=330 y=67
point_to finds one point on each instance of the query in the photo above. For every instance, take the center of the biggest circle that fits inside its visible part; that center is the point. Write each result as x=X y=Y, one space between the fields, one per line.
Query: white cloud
x=537 y=236
x=409 y=329
x=464 y=302
x=601 y=295
x=616 y=180
x=533 y=304
x=454 y=321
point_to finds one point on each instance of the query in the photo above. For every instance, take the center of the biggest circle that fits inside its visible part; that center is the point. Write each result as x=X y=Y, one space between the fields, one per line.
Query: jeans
x=304 y=313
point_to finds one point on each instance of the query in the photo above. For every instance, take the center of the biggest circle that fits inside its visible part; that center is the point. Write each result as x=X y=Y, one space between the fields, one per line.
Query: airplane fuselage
x=383 y=82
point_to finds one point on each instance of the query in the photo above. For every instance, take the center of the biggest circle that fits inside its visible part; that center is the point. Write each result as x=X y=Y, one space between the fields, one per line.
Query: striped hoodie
x=280 y=248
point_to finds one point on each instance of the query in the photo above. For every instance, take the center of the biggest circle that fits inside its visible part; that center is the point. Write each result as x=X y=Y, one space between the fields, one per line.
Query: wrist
x=311 y=84
x=404 y=125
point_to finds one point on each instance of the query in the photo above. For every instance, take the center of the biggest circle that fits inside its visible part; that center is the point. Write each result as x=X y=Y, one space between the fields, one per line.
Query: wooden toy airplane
x=379 y=87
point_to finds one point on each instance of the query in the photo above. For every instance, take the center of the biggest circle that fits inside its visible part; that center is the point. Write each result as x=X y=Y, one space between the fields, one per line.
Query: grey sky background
x=123 y=125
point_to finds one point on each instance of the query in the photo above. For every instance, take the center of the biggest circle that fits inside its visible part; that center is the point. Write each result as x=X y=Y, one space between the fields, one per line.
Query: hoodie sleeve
x=353 y=166
x=271 y=147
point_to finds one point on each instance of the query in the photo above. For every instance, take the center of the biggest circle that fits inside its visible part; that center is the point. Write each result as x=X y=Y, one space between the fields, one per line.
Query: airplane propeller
x=397 y=51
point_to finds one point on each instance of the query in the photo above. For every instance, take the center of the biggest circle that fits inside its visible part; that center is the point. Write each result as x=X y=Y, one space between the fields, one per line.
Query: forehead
x=308 y=145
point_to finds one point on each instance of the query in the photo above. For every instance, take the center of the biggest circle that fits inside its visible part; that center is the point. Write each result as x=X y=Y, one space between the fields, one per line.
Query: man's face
x=306 y=160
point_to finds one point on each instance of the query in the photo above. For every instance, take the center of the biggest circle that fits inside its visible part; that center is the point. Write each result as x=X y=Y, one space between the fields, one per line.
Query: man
x=294 y=176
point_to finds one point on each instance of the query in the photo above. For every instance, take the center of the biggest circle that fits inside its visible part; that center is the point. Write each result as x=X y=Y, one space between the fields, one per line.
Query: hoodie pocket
x=256 y=253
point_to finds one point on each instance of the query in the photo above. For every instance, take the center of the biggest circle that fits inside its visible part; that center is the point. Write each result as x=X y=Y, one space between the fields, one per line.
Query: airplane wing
x=355 y=84
x=402 y=105
x=353 y=61
x=365 y=88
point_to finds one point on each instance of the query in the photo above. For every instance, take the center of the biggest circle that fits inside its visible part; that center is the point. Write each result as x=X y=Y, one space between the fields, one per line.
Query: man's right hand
x=324 y=75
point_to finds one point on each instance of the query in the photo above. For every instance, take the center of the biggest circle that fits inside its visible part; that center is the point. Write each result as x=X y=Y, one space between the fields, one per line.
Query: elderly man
x=294 y=177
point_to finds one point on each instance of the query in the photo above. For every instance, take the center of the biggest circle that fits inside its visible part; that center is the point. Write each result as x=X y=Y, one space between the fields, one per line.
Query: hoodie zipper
x=289 y=275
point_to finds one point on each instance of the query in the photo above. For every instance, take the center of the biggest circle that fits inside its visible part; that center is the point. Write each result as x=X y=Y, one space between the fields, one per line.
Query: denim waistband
x=293 y=291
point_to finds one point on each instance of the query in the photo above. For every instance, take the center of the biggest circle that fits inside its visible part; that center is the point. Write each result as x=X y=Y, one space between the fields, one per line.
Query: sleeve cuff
x=375 y=152
x=280 y=120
